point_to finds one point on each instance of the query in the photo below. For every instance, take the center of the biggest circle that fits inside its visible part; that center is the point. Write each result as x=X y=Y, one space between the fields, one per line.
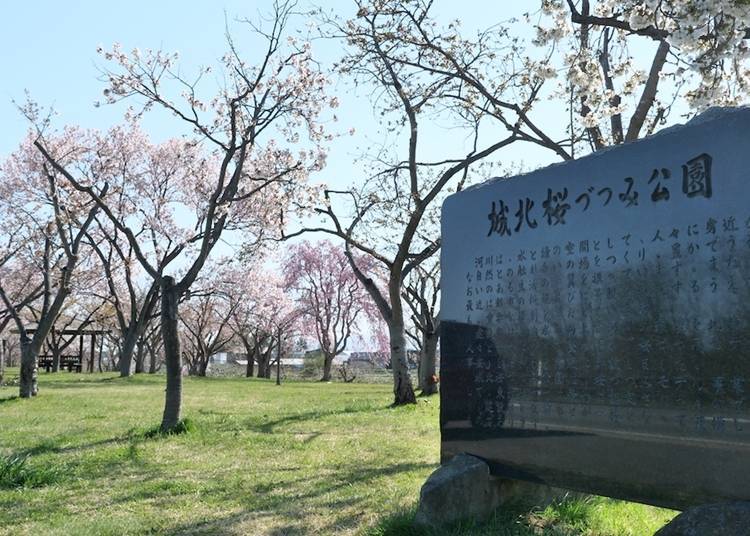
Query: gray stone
x=596 y=340
x=463 y=488
x=721 y=519
x=459 y=489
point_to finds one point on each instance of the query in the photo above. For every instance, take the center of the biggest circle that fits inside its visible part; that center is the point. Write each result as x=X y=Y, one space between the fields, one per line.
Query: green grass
x=253 y=458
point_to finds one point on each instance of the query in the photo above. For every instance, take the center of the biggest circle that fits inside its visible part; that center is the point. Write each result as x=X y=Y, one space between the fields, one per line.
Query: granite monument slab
x=596 y=319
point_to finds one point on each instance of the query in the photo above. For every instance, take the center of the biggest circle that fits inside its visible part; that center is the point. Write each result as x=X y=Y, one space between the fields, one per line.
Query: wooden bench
x=69 y=362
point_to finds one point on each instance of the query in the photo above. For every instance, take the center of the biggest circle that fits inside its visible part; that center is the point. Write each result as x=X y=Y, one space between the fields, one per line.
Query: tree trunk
x=172 y=355
x=264 y=364
x=203 y=365
x=403 y=392
x=327 y=361
x=420 y=368
x=98 y=358
x=278 y=361
x=250 y=362
x=3 y=356
x=428 y=364
x=28 y=386
x=55 y=348
x=126 y=352
x=140 y=357
x=152 y=361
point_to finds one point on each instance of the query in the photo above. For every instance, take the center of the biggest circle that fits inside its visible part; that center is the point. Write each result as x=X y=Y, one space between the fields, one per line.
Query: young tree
x=330 y=297
x=206 y=315
x=132 y=305
x=19 y=294
x=394 y=213
x=50 y=219
x=244 y=184
x=421 y=294
x=253 y=293
x=496 y=79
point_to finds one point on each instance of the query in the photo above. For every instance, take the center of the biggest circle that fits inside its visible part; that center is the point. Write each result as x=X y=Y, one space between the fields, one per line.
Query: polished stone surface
x=596 y=318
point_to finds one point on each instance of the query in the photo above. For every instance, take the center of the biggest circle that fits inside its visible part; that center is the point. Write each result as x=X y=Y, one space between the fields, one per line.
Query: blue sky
x=49 y=49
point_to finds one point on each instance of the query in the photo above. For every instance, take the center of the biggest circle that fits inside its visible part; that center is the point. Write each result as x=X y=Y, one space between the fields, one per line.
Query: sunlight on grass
x=302 y=458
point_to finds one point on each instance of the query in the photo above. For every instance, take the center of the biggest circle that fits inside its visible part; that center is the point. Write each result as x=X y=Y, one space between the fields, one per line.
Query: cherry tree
x=205 y=315
x=331 y=298
x=48 y=221
x=492 y=86
x=254 y=293
x=265 y=318
x=133 y=304
x=245 y=182
x=692 y=55
x=393 y=213
x=19 y=291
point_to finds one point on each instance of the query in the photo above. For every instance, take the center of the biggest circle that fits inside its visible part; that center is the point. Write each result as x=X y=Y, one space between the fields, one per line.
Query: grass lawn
x=303 y=458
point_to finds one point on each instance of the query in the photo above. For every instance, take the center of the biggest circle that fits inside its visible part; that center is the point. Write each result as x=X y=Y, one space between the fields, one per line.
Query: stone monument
x=596 y=319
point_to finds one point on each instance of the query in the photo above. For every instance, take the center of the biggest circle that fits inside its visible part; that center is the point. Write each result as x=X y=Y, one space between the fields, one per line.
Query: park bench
x=71 y=362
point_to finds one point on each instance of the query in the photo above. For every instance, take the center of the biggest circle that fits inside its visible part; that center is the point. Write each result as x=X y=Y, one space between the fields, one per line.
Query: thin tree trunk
x=172 y=356
x=403 y=393
x=93 y=352
x=428 y=364
x=55 y=347
x=28 y=386
x=420 y=368
x=3 y=357
x=278 y=361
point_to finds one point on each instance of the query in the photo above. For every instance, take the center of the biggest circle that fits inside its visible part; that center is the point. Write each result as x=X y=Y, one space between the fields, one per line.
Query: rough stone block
x=461 y=489
x=464 y=489
x=720 y=519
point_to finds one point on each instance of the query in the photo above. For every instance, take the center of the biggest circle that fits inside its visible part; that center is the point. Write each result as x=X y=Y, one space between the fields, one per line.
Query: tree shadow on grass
x=269 y=427
x=282 y=503
x=9 y=399
x=51 y=446
x=89 y=383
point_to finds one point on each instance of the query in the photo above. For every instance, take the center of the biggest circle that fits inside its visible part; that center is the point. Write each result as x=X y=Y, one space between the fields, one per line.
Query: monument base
x=720 y=519
x=463 y=489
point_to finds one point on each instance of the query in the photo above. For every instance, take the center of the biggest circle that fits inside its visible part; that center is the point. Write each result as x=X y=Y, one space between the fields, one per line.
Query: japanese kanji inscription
x=596 y=319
